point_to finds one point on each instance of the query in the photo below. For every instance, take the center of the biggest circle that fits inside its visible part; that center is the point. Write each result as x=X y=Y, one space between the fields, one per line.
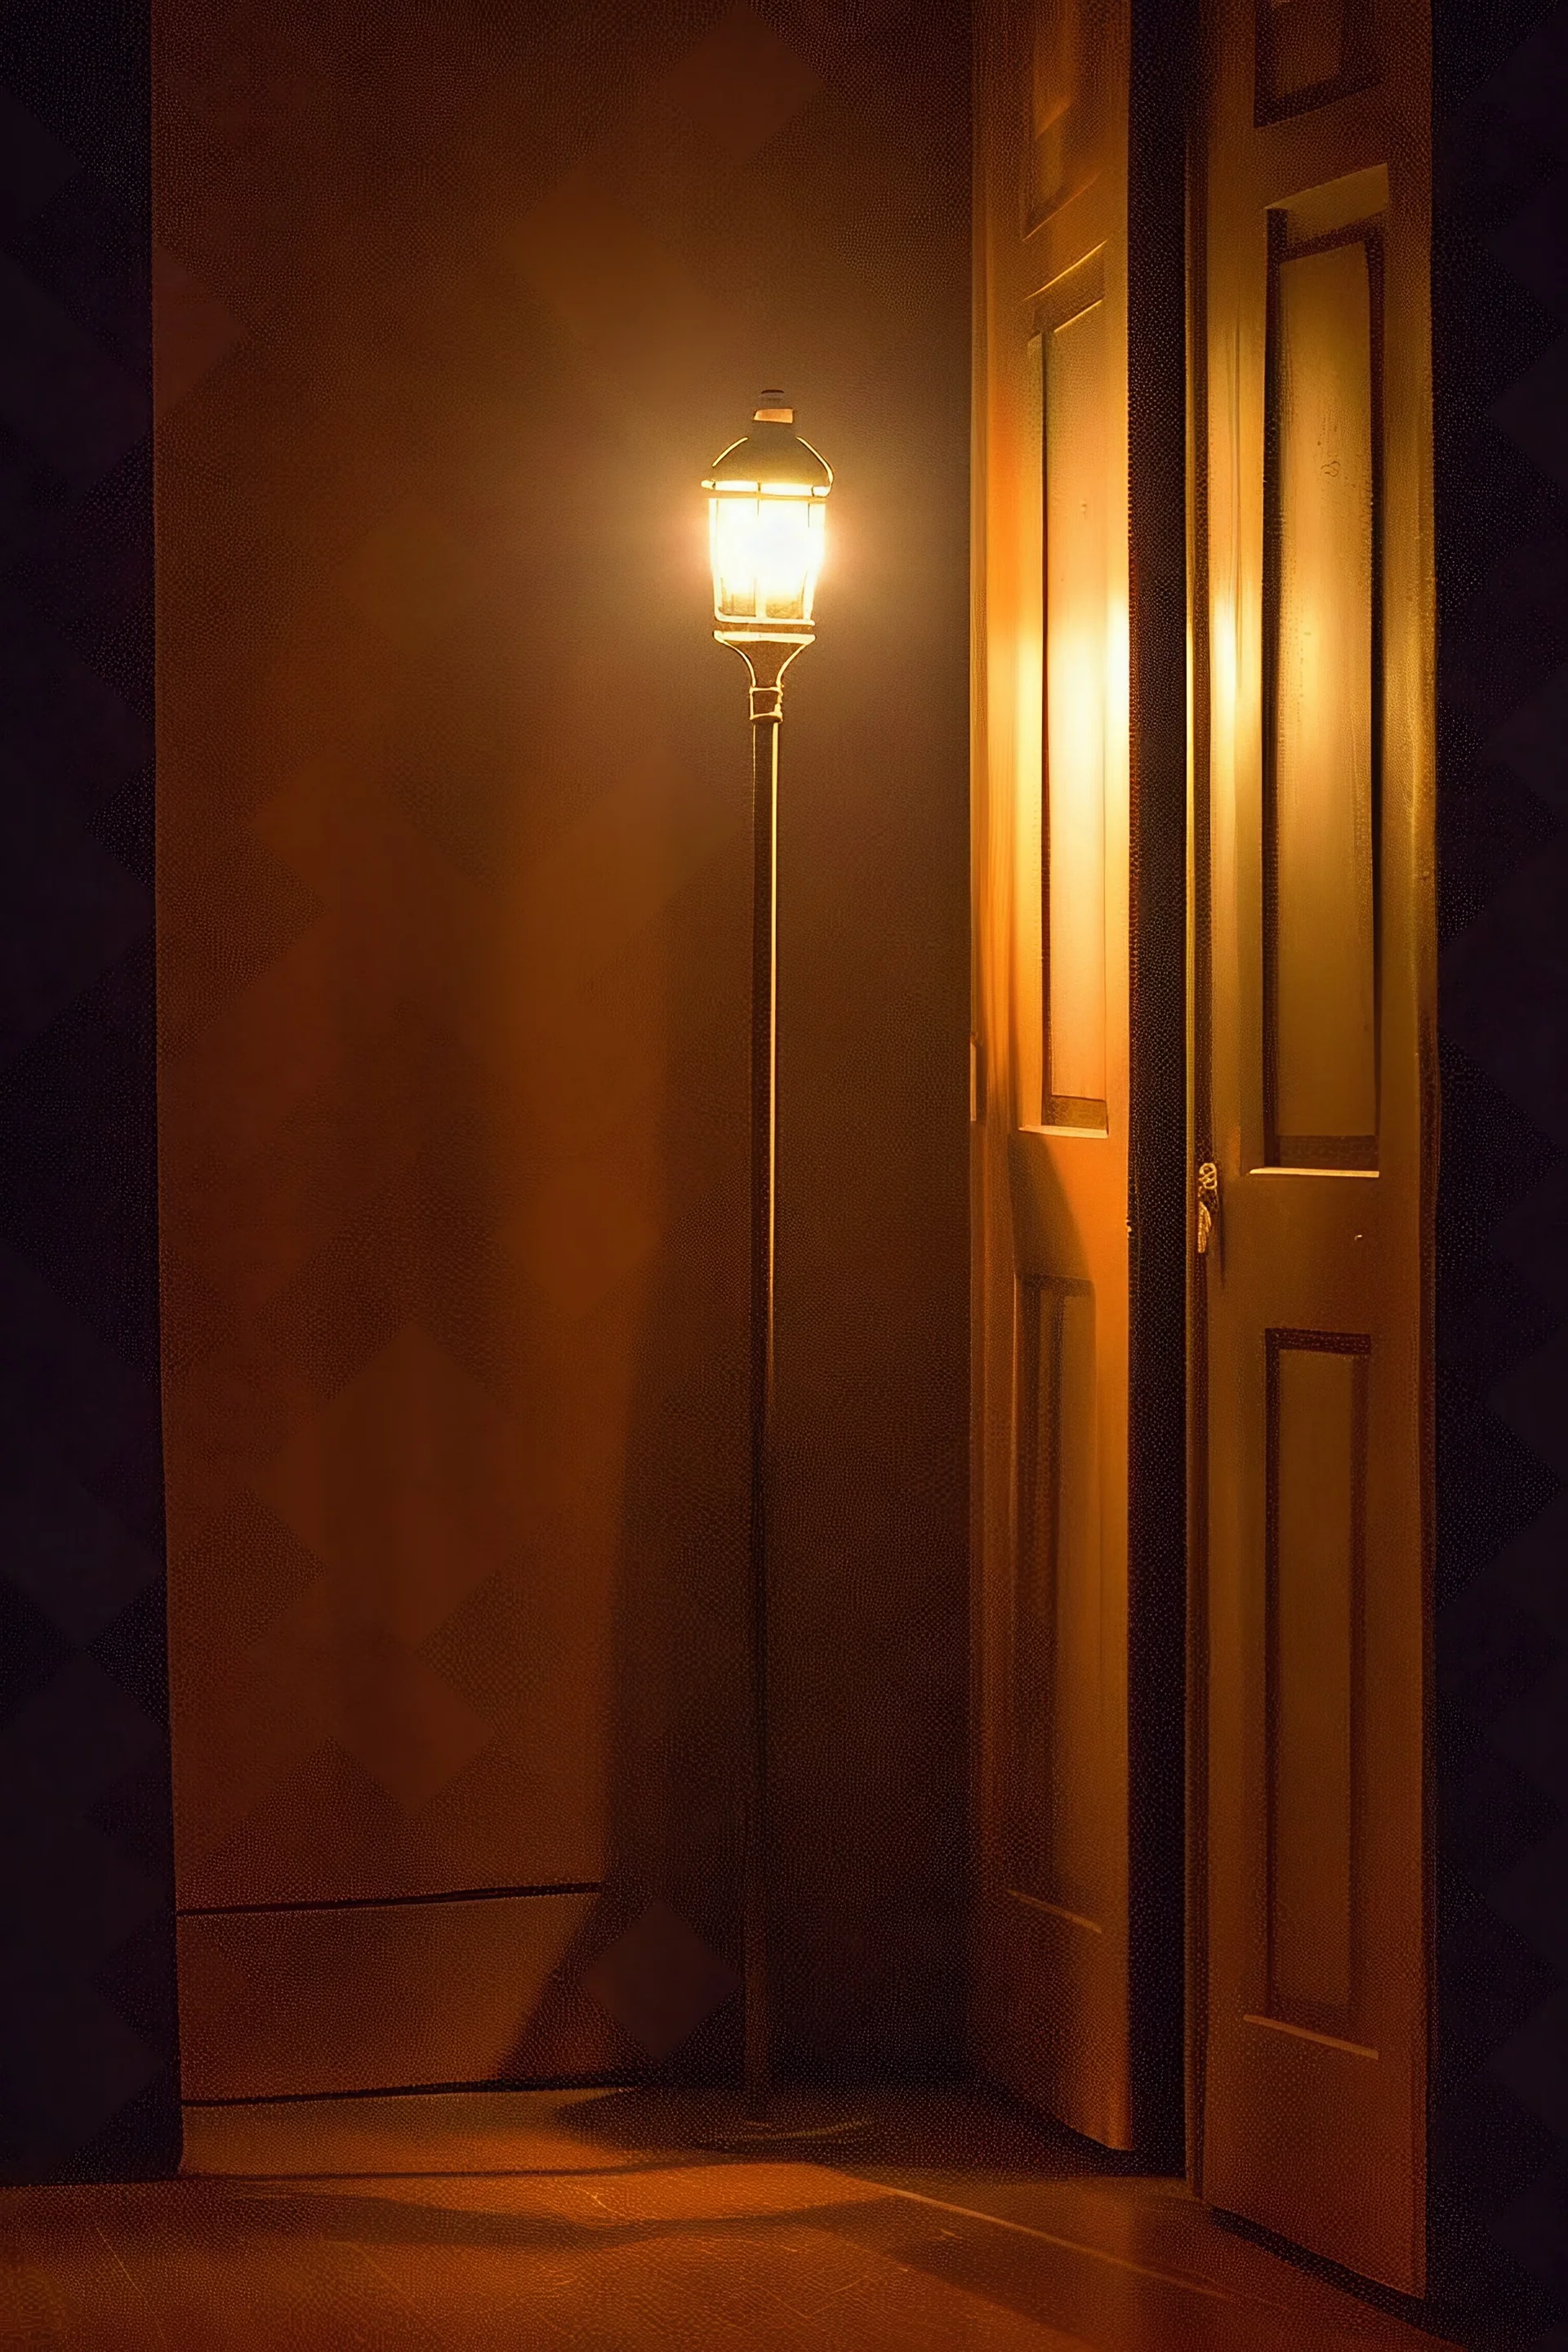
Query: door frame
x=1164 y=59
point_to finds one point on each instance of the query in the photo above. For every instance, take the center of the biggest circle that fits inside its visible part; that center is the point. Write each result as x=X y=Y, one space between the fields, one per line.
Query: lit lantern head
x=767 y=518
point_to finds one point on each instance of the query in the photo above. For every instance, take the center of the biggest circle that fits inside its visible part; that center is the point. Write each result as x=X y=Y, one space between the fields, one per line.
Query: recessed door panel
x=1320 y=782
x=1069 y=49
x=1057 y=1682
x=1309 y=51
x=1075 y=610
x=1316 y=1516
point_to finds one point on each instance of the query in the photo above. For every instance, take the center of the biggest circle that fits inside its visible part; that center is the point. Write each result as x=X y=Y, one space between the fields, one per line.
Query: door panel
x=1075 y=393
x=1314 y=1508
x=1062 y=2016
x=1320 y=1048
x=1056 y=1695
x=1313 y=1026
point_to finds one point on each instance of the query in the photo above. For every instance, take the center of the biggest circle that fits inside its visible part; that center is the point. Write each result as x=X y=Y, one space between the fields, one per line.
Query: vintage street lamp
x=767 y=516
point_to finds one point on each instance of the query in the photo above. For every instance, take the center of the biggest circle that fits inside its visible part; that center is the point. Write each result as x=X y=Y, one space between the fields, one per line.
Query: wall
x=453 y=307
x=88 y=2079
x=1500 y=311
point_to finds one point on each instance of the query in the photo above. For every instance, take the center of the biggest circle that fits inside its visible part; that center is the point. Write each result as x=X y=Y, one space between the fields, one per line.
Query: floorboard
x=639 y=2221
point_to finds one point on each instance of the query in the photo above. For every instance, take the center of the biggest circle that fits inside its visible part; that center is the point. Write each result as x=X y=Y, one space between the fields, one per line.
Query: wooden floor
x=610 y=2221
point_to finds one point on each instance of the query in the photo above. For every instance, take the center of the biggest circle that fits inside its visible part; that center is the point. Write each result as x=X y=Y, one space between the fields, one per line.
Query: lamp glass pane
x=767 y=551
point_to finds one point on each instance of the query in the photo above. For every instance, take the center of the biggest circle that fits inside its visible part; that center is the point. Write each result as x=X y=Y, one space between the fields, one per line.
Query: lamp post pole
x=766 y=494
x=767 y=712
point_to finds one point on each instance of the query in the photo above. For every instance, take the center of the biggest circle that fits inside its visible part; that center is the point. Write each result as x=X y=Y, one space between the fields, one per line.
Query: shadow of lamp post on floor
x=767 y=497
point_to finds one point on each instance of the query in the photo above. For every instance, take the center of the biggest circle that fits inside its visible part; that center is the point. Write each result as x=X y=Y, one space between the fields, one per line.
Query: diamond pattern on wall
x=660 y=1982
x=87 y=2022
x=192 y=332
x=406 y=1486
x=70 y=911
x=1501 y=287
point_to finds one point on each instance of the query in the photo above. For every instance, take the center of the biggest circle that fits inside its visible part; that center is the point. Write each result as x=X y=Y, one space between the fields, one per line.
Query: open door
x=1314 y=1111
x=1078 y=811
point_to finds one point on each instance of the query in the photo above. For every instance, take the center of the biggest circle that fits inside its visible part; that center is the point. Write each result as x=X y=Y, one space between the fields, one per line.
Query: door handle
x=1208 y=1203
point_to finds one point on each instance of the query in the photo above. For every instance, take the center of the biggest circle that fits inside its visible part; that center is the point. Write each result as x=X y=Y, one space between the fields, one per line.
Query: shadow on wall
x=868 y=1623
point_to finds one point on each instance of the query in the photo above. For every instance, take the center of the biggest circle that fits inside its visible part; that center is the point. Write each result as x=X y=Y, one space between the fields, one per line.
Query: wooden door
x=1079 y=810
x=1313 y=1089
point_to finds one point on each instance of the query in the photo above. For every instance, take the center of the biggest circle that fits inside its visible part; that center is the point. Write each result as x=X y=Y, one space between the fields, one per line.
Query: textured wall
x=1500 y=322
x=453 y=307
x=87 y=2022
